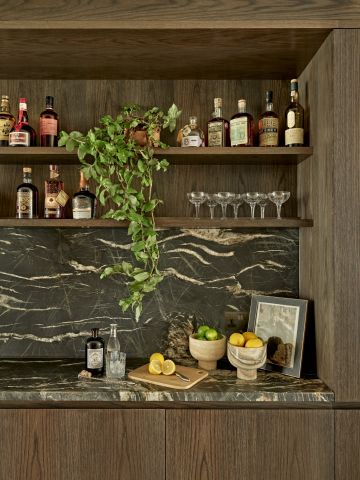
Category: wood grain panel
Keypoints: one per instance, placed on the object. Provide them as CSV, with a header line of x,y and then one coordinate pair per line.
x,y
347,440
82,444
213,444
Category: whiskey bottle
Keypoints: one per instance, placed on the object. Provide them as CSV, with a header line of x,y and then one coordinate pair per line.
x,y
269,124
27,197
84,202
218,128
191,135
49,125
7,121
294,119
94,353
22,134
242,127
55,197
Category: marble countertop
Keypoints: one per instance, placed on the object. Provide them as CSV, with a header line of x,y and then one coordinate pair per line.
x,y
56,380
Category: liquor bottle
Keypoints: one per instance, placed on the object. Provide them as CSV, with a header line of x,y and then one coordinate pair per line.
x,y
191,135
55,197
27,196
49,125
218,128
269,124
94,353
22,134
294,119
242,127
84,202
7,121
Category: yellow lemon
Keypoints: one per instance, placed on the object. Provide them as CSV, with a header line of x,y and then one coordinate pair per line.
x,y
237,339
249,336
155,367
168,367
254,343
157,356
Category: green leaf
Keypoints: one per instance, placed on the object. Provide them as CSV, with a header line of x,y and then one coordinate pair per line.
x,y
140,277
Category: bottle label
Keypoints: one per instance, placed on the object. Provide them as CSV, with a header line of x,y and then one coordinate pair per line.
x,y
24,204
291,119
269,132
62,198
216,137
19,139
5,127
192,141
239,131
294,135
95,358
50,201
81,213
48,126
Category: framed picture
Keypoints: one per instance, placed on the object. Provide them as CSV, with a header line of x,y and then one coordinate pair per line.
x,y
281,323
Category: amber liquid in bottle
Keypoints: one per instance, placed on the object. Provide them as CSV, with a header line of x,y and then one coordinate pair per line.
x,y
49,125
27,197
242,127
269,124
218,128
55,197
7,121
294,119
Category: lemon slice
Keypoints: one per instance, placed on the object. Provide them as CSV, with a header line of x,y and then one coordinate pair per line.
x,y
168,367
157,356
155,367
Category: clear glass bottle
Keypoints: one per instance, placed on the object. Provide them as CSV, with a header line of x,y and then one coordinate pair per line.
x,y
22,134
113,344
55,197
7,121
191,135
218,128
269,124
294,119
242,127
49,125
84,202
27,196
94,353
115,360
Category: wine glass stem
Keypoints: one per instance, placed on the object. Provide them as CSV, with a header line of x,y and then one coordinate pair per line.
x,y
197,210
236,208
278,209
262,211
223,206
252,206
212,212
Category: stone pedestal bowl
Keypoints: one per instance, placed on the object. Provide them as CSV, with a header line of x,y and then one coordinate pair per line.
x,y
207,352
246,360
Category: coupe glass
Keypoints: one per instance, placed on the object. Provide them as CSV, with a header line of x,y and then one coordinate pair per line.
x,y
224,198
262,202
279,197
238,200
197,198
211,202
252,198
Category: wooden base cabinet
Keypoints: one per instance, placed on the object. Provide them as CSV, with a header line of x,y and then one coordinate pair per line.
x,y
249,444
347,441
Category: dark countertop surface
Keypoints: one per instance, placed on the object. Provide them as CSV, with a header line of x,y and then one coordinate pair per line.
x,y
56,380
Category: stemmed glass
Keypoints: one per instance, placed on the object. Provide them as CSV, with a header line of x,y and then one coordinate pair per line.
x,y
211,202
279,197
252,199
262,202
236,202
224,198
197,198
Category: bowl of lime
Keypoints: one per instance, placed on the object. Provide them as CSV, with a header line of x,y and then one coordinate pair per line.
x,y
207,346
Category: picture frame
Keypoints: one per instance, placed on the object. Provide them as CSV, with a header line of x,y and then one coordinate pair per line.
x,y
281,323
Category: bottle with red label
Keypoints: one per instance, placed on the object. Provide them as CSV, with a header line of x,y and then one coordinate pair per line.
x,y
22,134
49,125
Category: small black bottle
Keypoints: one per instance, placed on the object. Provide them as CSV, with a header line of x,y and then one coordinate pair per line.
x,y
95,353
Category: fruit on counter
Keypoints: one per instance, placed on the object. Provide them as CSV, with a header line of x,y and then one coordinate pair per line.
x,y
249,336
237,339
254,343
168,367
202,329
204,332
155,367
157,356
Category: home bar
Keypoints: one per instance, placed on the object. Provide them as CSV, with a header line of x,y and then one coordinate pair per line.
x,y
179,240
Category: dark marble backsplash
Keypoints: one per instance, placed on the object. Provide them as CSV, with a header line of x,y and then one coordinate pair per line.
x,y
51,293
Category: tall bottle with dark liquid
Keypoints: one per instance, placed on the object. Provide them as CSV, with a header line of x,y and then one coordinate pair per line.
x,y
55,197
242,127
27,196
22,134
294,119
218,128
95,353
84,202
7,121
269,124
49,125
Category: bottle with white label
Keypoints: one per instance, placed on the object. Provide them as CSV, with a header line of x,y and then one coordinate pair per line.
x,y
242,127
22,134
191,135
218,127
84,202
269,124
94,353
294,119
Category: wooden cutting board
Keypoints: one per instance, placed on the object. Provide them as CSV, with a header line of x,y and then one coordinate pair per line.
x,y
170,381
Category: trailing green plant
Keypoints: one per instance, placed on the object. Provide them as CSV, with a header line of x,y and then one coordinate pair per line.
x,y
123,171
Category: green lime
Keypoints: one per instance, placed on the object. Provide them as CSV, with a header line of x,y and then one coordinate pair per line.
x,y
202,329
199,337
211,334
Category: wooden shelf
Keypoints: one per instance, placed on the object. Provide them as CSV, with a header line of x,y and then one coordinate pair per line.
x,y
175,155
161,222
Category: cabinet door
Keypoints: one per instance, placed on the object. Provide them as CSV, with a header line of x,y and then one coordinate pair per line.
x,y
347,441
82,444
249,444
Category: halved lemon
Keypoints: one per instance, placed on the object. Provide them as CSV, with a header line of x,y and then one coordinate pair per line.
x,y
155,367
157,356
168,367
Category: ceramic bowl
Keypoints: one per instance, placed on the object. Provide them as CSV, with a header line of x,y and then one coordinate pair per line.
x,y
207,352
246,360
